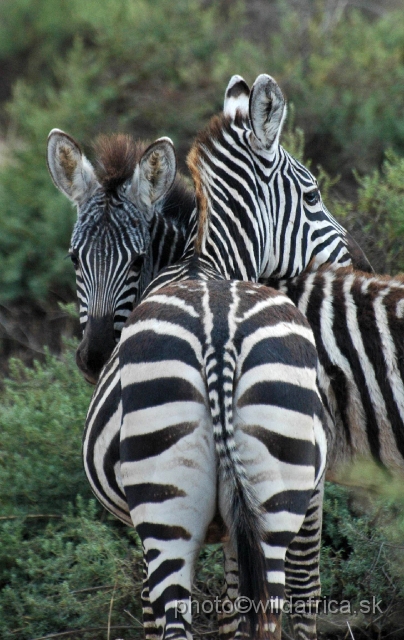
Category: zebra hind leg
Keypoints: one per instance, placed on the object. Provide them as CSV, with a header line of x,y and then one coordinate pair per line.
x,y
230,620
149,624
302,570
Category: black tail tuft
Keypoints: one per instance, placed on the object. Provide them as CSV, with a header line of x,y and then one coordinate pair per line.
x,y
247,535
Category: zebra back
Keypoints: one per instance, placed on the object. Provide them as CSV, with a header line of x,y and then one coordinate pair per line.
x,y
190,352
358,324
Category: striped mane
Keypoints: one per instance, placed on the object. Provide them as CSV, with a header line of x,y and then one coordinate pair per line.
x,y
201,153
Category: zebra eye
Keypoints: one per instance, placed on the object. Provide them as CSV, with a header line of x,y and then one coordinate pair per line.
x,y
312,197
74,260
137,263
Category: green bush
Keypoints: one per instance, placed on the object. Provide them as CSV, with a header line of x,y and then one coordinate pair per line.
x,y
148,68
362,555
74,573
42,416
67,564
344,72
380,209
61,567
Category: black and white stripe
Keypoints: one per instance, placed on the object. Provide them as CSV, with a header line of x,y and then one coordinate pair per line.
x,y
280,188
358,323
130,225
276,222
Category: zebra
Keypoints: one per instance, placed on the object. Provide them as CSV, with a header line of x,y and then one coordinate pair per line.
x,y
287,225
108,411
123,235
358,324
210,373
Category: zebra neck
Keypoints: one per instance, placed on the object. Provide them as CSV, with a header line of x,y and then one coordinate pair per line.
x,y
226,255
170,240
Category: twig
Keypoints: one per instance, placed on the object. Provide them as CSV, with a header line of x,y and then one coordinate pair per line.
x,y
110,613
350,630
391,632
39,515
133,617
378,556
362,537
27,345
73,632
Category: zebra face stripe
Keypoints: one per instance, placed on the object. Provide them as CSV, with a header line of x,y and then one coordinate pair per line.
x,y
109,242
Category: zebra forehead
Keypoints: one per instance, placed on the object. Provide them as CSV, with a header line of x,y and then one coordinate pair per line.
x,y
111,217
116,159
107,212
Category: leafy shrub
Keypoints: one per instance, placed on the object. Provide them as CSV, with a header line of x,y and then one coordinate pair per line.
x,y
42,415
380,210
160,68
148,68
75,573
343,70
65,563
362,553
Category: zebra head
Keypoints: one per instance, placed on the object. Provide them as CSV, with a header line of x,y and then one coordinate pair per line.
x,y
111,237
271,202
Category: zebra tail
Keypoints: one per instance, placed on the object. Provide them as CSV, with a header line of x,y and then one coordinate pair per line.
x,y
246,530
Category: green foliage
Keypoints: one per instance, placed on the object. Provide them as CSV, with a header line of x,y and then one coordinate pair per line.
x,y
64,562
60,566
381,210
344,72
362,553
75,573
129,66
42,415
160,68
293,137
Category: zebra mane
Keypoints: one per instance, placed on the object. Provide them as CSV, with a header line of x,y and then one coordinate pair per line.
x,y
116,159
202,148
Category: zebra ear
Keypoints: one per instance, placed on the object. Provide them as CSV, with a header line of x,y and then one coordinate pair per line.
x,y
70,170
267,110
236,97
153,176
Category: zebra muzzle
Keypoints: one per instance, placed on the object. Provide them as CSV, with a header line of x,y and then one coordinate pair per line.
x,y
96,347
